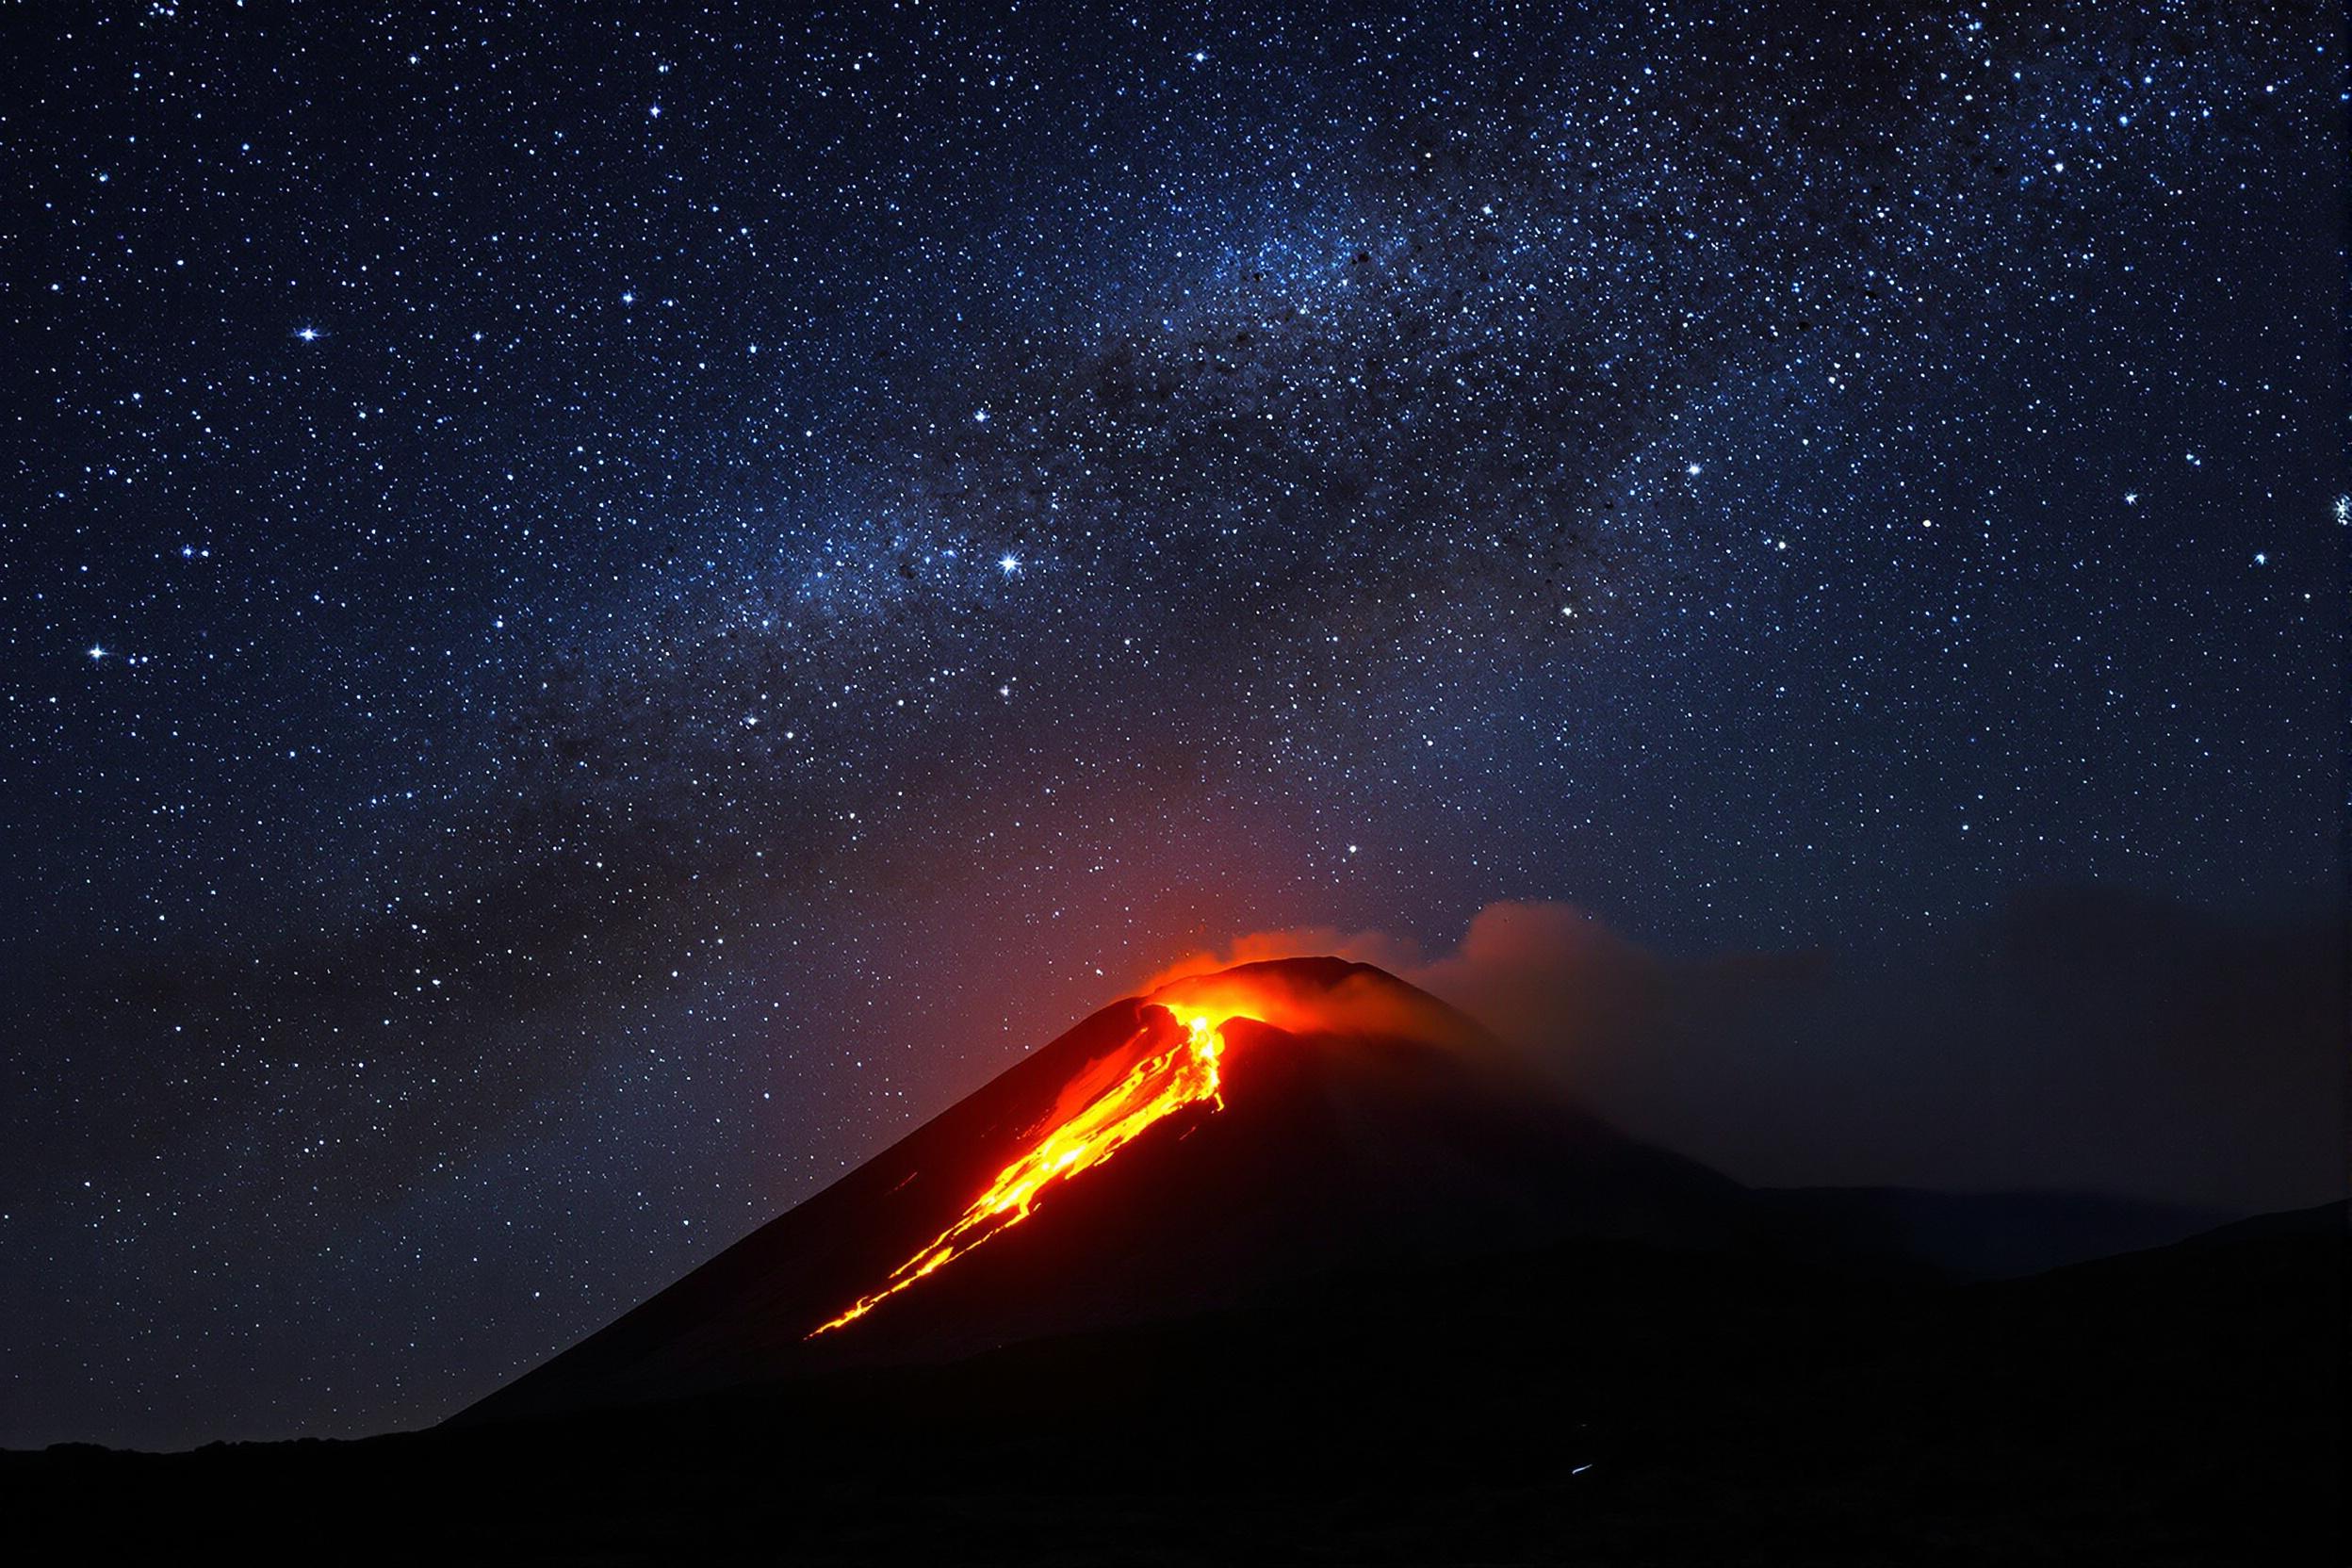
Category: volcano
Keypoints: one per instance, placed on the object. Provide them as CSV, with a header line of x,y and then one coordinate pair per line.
x,y
1174,1153
1291,1263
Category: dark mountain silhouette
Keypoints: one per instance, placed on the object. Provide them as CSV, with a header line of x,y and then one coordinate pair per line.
x,y
1993,1235
1362,1124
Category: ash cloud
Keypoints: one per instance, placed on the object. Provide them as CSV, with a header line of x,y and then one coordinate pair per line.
x,y
2082,1039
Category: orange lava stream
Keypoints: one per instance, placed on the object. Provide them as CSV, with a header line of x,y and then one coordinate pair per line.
x,y
1184,1074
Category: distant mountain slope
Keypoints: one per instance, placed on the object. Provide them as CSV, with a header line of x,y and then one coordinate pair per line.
x,y
1984,1235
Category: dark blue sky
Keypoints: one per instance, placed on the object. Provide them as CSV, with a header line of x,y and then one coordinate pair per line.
x,y
601,610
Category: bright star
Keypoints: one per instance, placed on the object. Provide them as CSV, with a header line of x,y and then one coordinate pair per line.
x,y
308,334
1008,564
96,652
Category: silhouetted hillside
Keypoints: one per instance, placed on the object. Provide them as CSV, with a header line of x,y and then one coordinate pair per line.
x,y
1595,1401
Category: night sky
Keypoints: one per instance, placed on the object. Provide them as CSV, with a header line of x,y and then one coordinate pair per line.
x,y
602,608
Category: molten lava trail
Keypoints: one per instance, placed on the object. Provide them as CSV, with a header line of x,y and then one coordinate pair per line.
x,y
1163,1083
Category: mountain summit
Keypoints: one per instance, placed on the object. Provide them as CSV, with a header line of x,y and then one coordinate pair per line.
x,y
1175,1151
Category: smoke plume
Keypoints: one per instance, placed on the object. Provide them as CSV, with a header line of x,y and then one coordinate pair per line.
x,y
2079,1038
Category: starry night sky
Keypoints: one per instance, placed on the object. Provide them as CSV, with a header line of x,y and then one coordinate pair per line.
x,y
603,608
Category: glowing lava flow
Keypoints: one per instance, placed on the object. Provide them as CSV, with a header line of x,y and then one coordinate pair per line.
x,y
1184,1074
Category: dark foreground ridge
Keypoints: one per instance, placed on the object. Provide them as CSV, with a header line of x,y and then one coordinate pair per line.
x,y
1602,1403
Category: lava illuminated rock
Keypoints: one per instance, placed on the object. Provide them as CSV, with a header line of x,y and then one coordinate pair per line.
x,y
1169,1153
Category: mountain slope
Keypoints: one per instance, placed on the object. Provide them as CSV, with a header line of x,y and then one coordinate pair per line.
x,y
1358,1123
1989,1235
